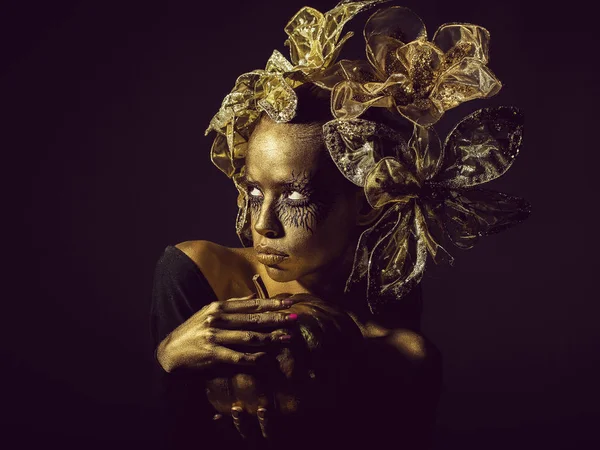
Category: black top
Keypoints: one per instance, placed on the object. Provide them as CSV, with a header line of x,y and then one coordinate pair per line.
x,y
180,290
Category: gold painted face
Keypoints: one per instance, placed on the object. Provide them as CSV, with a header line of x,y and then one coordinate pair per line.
x,y
303,211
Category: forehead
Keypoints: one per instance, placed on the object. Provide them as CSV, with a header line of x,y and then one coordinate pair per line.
x,y
277,150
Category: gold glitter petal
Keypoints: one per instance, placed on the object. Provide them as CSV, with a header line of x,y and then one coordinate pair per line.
x,y
278,63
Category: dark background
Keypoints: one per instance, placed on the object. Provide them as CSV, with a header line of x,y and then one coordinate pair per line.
x,y
104,163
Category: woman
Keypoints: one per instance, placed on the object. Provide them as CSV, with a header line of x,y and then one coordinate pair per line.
x,y
305,330
305,221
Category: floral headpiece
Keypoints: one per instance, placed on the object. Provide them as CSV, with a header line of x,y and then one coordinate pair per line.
x,y
429,191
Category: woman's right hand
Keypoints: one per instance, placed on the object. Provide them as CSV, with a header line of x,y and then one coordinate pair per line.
x,y
215,334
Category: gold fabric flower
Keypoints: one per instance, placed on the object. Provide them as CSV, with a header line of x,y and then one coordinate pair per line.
x,y
314,41
430,193
314,37
419,79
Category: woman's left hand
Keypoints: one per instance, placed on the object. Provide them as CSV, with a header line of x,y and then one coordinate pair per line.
x,y
296,377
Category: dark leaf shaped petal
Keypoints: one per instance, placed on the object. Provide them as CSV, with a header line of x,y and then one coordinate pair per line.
x,y
481,147
356,145
471,213
427,149
433,233
367,242
397,262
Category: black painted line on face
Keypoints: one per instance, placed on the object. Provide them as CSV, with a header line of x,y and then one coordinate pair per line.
x,y
302,213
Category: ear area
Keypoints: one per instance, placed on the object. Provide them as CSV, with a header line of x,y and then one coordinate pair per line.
x,y
366,214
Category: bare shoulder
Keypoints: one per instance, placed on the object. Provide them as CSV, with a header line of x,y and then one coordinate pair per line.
x,y
414,346
228,270
204,253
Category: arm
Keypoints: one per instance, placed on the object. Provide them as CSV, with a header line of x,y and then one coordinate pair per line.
x,y
178,292
196,338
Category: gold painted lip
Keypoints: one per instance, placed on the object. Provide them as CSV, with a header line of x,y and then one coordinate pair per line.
x,y
270,259
265,250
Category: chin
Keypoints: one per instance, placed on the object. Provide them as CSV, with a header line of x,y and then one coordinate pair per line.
x,y
281,275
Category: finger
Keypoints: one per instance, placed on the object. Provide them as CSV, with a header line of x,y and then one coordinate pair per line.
x,y
263,421
256,305
254,321
214,309
236,415
252,393
249,338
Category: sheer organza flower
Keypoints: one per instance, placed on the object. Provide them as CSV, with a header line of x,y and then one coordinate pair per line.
x,y
314,37
406,72
429,193
314,41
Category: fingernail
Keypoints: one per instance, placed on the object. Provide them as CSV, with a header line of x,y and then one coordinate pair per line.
x,y
236,411
287,302
292,317
217,417
285,338
262,421
261,413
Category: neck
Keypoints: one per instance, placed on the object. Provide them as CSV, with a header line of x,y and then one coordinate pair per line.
x,y
327,284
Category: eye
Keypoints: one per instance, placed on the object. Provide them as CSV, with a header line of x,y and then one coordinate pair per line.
x,y
295,195
255,192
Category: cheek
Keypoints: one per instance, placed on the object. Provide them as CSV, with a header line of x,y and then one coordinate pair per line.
x,y
327,235
304,219
316,231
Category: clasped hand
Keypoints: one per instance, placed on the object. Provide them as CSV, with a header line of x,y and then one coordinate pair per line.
x,y
253,354
231,336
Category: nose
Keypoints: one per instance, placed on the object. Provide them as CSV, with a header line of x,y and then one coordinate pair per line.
x,y
267,222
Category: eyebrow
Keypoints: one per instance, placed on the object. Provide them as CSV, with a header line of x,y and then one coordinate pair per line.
x,y
295,181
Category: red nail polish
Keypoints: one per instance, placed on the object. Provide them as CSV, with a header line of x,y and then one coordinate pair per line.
x,y
285,338
287,302
292,317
